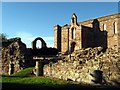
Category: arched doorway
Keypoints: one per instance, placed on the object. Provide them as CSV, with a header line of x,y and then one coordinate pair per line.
x,y
72,48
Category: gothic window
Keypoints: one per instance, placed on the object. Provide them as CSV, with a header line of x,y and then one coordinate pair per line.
x,y
115,27
73,33
104,29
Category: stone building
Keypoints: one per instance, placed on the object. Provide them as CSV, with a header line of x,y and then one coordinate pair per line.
x,y
102,31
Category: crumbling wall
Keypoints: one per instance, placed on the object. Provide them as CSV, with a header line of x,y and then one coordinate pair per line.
x,y
81,65
15,56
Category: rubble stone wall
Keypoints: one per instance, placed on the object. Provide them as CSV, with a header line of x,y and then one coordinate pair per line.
x,y
81,64
15,56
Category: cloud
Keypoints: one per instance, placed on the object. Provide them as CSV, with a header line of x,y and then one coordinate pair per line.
x,y
27,38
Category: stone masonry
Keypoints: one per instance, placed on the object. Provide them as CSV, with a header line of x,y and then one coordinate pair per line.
x,y
102,31
81,64
15,56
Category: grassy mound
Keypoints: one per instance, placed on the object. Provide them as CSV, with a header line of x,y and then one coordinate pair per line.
x,y
24,73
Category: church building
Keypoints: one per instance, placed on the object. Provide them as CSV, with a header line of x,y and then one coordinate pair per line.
x,y
102,31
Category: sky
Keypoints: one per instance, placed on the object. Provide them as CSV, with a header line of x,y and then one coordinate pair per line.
x,y
29,20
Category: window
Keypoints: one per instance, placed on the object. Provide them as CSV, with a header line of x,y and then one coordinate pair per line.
x,y
104,29
115,27
73,33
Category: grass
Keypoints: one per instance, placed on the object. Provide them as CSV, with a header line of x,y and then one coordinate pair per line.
x,y
24,80
32,82
24,73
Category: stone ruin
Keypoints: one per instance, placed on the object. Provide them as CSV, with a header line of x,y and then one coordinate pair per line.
x,y
40,55
88,66
15,56
44,51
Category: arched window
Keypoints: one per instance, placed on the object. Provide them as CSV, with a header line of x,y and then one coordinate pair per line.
x,y
115,27
104,29
73,33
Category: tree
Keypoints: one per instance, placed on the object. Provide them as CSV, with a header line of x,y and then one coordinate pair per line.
x,y
3,37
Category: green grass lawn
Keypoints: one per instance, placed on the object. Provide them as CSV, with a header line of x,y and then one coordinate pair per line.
x,y
32,82
24,80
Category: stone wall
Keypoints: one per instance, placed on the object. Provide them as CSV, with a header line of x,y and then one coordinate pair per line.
x,y
57,37
81,64
106,25
15,56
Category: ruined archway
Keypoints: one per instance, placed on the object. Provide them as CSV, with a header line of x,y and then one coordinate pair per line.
x,y
43,44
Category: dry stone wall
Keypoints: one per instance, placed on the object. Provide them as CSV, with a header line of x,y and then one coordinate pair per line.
x,y
81,65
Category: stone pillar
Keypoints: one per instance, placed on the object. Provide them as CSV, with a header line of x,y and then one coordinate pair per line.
x,y
39,68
